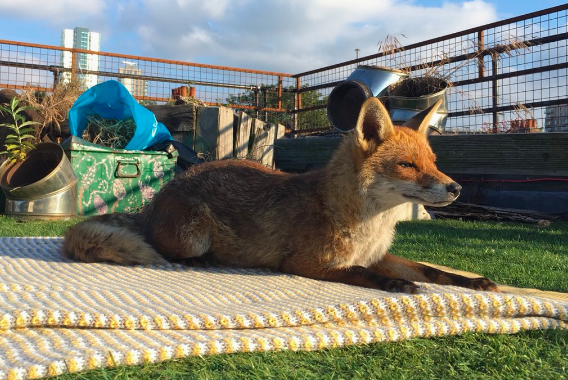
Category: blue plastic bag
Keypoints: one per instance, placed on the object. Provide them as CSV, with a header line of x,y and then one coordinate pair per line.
x,y
111,100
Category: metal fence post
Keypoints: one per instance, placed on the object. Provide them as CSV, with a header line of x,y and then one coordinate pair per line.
x,y
265,102
480,58
279,100
494,92
298,102
73,64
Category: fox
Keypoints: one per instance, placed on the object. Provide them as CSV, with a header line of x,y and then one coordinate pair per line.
x,y
333,224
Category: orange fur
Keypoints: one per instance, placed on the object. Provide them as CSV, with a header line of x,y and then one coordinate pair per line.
x,y
334,224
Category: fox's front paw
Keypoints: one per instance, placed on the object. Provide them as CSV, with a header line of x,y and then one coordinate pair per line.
x,y
482,283
401,286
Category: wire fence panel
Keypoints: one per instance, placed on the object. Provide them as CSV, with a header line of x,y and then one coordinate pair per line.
x,y
503,75
27,64
267,95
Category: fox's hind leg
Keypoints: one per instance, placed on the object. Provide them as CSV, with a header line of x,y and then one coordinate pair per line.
x,y
398,267
180,231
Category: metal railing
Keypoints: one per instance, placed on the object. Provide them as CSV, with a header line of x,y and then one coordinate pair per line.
x,y
501,73
26,66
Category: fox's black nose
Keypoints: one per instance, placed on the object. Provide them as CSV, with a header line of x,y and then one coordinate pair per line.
x,y
454,188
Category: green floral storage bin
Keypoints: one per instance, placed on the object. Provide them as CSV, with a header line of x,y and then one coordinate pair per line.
x,y
115,180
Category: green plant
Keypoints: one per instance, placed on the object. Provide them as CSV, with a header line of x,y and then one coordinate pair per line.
x,y
20,141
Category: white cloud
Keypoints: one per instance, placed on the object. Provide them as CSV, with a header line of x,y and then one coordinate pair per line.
x,y
288,36
277,35
196,36
54,11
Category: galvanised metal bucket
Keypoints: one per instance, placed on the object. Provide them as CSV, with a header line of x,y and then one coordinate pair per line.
x,y
346,99
403,108
43,186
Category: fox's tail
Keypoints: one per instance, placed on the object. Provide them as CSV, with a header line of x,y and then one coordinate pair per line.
x,y
114,237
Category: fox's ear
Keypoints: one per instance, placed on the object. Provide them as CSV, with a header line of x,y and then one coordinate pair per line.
x,y
374,125
421,121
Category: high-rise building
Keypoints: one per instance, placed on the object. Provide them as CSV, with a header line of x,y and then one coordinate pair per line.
x,y
81,38
137,87
556,118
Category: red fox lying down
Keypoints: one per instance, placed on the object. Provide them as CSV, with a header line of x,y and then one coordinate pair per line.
x,y
333,224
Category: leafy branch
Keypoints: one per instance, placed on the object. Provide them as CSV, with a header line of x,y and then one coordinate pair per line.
x,y
20,141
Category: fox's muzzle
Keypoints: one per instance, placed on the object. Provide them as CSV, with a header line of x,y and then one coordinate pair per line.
x,y
454,188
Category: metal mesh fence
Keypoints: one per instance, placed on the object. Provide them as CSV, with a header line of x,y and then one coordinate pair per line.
x,y
266,95
24,65
503,75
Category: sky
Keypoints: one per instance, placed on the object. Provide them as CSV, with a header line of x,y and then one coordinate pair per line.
x,y
289,36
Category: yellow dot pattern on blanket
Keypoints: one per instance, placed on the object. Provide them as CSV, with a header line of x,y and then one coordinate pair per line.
x,y
58,316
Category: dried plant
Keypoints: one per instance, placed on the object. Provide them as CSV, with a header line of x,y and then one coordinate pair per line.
x,y
418,86
470,53
390,46
437,71
429,82
509,47
112,133
53,107
522,111
439,64
191,100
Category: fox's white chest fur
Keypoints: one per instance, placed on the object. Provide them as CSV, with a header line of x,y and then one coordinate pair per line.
x,y
372,238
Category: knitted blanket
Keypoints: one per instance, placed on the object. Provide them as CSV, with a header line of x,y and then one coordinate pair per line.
x,y
61,316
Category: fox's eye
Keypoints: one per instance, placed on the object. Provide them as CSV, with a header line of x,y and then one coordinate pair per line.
x,y
406,164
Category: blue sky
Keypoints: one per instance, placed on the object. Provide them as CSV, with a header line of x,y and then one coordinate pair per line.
x,y
277,35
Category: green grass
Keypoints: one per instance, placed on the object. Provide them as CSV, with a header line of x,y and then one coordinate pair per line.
x,y
11,227
513,254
